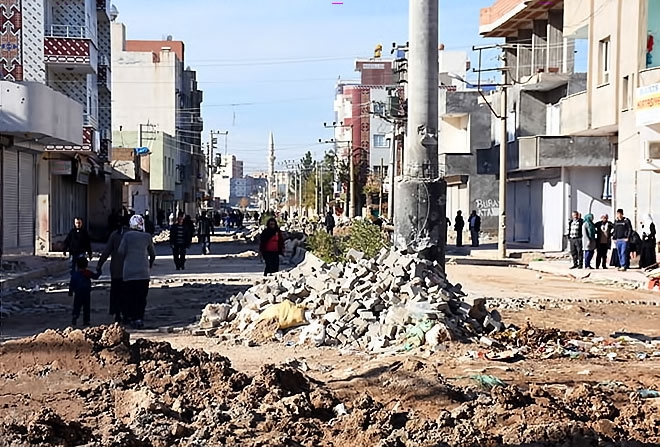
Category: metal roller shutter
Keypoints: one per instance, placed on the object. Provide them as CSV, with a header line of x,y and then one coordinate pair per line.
x,y
26,202
10,201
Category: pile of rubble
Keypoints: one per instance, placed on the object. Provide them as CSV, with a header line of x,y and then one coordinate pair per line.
x,y
393,300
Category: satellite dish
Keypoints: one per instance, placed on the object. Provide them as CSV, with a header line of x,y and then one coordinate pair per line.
x,y
114,12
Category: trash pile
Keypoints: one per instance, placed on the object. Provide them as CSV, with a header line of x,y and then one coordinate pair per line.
x,y
394,300
96,388
530,341
163,236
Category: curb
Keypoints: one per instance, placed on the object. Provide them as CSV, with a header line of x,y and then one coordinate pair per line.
x,y
612,281
486,262
20,279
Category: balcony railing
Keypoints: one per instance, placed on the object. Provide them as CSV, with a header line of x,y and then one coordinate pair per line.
x,y
90,121
68,31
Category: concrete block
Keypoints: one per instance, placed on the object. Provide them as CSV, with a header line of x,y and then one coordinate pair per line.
x,y
366,315
331,317
335,272
354,255
353,307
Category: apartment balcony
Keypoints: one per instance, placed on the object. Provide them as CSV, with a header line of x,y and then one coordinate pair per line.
x,y
556,151
104,76
70,49
31,110
103,9
573,111
505,17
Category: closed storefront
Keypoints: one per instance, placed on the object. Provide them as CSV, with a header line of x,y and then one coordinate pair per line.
x,y
68,200
19,201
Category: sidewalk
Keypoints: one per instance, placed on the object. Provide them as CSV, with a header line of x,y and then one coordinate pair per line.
x,y
554,263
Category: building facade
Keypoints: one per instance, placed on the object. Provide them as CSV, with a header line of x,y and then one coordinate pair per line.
x,y
157,108
552,166
620,99
55,120
364,131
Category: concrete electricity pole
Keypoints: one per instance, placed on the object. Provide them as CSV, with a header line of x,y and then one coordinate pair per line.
x,y
419,217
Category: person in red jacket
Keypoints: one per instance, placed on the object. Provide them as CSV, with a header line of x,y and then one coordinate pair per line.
x,y
271,246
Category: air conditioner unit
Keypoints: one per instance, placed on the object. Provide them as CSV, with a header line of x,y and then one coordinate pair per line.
x,y
653,150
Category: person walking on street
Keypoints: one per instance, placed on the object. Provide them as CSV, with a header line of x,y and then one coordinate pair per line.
x,y
271,246
575,240
604,230
137,250
149,226
204,232
179,241
588,239
330,222
647,256
77,243
116,269
621,234
81,290
459,225
474,223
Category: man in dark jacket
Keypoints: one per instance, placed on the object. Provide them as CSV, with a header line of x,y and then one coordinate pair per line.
x,y
111,251
77,243
474,222
621,234
459,224
575,240
329,222
604,229
204,232
180,237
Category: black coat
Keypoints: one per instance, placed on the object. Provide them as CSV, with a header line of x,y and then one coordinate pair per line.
x,y
78,242
475,224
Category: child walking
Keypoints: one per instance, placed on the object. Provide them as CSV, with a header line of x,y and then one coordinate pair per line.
x,y
81,289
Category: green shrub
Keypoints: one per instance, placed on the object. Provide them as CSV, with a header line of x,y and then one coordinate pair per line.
x,y
366,237
326,246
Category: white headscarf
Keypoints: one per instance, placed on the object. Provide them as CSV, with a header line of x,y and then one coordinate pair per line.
x,y
137,223
647,220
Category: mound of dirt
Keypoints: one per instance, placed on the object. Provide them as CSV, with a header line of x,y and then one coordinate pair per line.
x,y
95,388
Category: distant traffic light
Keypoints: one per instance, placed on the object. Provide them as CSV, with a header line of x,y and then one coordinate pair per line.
x,y
378,51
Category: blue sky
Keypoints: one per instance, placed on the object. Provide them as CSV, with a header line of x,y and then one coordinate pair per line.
x,y
272,65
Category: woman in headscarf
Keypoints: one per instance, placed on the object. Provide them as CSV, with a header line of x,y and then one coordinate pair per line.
x,y
588,239
137,250
116,268
271,246
647,251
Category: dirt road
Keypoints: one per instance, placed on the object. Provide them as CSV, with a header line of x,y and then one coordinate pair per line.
x,y
72,388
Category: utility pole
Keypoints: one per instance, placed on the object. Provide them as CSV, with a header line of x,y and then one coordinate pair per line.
x,y
504,139
380,194
419,218
351,183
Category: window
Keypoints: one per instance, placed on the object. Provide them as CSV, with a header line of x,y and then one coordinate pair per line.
x,y
604,61
625,93
380,141
379,108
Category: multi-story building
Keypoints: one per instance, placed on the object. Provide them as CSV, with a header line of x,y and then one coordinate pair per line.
x,y
553,165
157,108
621,97
225,185
54,120
360,110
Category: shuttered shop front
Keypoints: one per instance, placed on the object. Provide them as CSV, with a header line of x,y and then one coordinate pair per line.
x,y
19,201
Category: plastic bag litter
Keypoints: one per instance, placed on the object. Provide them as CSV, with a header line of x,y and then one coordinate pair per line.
x,y
287,314
488,382
416,335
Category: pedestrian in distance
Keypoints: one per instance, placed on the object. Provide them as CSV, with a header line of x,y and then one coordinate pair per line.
x,y
459,225
647,244
588,239
604,230
77,243
81,290
575,240
204,231
621,235
137,250
179,241
474,223
116,269
330,222
149,226
271,246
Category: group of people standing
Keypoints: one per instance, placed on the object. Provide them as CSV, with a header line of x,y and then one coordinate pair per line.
x,y
586,238
474,225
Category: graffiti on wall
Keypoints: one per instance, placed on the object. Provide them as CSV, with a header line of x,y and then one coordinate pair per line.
x,y
487,207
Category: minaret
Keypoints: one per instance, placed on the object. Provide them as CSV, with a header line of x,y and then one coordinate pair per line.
x,y
272,187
